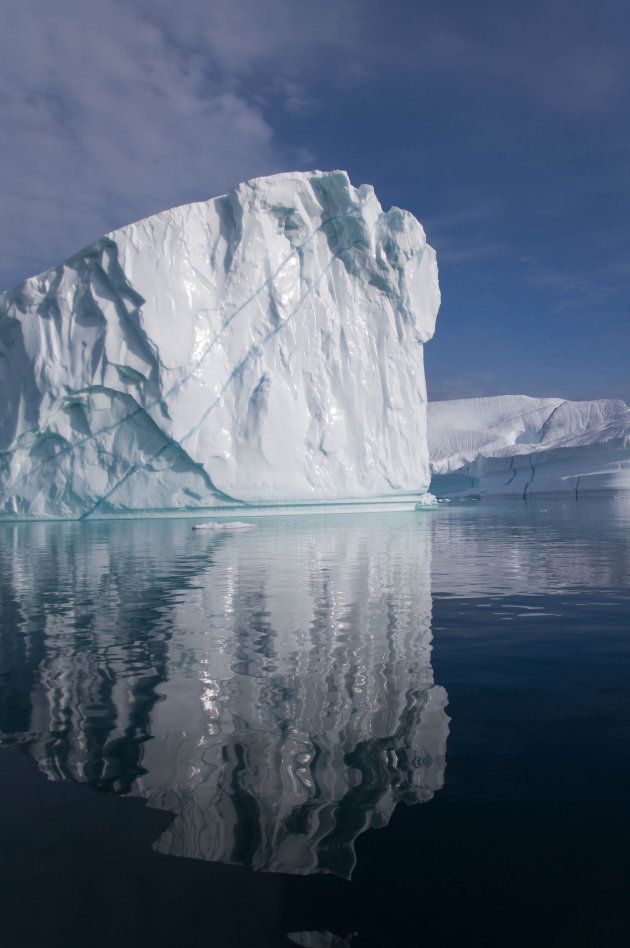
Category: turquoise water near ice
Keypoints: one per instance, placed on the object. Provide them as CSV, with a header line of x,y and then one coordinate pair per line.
x,y
384,728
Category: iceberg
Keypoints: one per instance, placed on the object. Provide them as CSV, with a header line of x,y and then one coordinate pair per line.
x,y
264,347
517,445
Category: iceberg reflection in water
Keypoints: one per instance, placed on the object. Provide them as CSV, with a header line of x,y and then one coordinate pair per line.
x,y
274,690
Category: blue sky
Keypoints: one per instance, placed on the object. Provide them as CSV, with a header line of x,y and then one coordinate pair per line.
x,y
504,127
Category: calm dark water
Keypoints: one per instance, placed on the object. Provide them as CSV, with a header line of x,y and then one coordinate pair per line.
x,y
384,729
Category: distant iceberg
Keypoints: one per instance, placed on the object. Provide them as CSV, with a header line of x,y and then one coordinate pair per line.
x,y
516,445
264,347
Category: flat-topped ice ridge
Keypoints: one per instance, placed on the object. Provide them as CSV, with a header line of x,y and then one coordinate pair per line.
x,y
263,347
514,444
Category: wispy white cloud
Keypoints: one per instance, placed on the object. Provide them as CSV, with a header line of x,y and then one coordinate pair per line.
x,y
562,56
111,111
114,109
473,384
568,56
454,254
575,289
461,236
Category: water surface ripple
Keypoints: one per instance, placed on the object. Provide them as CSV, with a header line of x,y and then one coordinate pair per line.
x,y
273,689
275,695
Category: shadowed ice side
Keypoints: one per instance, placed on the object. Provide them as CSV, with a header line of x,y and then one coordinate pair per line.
x,y
272,689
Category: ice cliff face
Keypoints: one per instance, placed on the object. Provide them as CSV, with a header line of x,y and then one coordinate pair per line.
x,y
261,347
513,444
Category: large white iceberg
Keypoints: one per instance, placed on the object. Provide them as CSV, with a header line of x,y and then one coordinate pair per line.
x,y
264,347
514,444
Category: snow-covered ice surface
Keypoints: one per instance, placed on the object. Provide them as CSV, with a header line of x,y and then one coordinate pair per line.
x,y
264,347
514,444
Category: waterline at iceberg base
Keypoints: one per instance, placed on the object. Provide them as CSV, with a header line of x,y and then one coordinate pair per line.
x,y
262,348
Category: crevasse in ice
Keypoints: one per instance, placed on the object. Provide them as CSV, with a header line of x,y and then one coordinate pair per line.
x,y
514,444
263,347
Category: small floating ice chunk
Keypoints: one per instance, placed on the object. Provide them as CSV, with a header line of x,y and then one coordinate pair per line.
x,y
232,526
319,939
